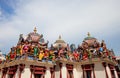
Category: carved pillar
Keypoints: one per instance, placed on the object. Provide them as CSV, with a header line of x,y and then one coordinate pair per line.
x,y
75,72
104,65
116,75
92,65
109,70
47,73
69,70
64,70
60,65
112,71
4,72
83,71
21,68
52,71
31,70
15,71
0,73
40,70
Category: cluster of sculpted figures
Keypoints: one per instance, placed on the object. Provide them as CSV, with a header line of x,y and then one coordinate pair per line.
x,y
35,48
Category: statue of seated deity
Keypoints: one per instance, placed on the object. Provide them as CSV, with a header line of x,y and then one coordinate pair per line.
x,y
26,47
41,55
76,55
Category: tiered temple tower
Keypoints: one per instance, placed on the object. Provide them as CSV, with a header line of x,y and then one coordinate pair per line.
x,y
32,58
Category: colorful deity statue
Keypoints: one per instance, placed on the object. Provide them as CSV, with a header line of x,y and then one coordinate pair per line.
x,y
13,49
7,57
107,53
101,49
12,53
89,53
81,55
85,55
36,50
76,55
60,53
51,55
103,45
31,50
21,39
95,44
41,55
46,54
18,50
70,56
25,47
66,54
12,56
84,45
72,47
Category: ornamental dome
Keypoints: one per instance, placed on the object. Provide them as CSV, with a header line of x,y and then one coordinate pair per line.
x,y
89,37
90,41
34,36
60,43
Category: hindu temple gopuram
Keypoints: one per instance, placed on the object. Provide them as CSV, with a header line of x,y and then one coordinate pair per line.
x,y
32,58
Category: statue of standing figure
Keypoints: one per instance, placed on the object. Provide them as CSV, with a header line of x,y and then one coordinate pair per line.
x,y
21,39
36,50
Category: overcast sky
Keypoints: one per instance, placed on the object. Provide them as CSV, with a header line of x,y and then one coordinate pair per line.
x,y
71,19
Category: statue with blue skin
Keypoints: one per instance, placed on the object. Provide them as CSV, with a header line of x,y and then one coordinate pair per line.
x,y
72,47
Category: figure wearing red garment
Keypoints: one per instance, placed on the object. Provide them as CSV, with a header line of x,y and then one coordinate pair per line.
x,y
12,53
76,55
85,55
25,47
60,53
46,54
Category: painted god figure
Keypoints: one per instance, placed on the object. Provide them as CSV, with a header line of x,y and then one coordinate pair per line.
x,y
76,55
46,54
18,50
26,47
36,50
41,55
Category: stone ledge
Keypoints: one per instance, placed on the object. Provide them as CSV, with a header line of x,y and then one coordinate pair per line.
x,y
26,62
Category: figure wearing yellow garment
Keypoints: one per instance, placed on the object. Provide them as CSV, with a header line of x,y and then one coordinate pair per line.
x,y
21,49
41,55
51,55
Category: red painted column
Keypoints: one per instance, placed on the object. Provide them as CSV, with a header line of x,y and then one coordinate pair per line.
x,y
83,71
92,65
60,70
52,71
21,68
67,71
31,69
4,72
104,65
16,68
